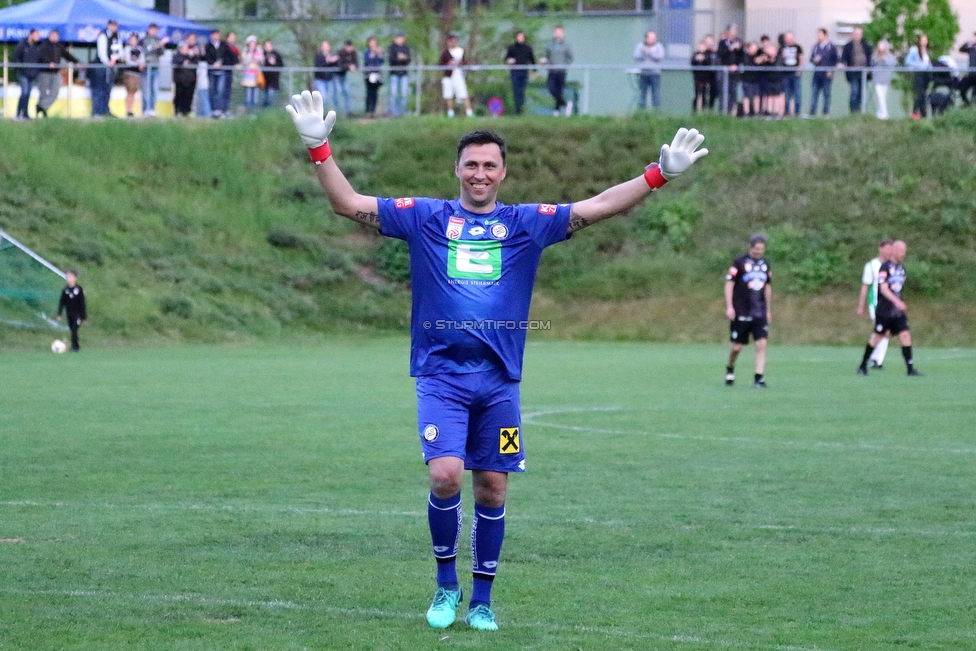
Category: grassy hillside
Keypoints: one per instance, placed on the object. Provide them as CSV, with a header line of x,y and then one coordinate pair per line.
x,y
212,231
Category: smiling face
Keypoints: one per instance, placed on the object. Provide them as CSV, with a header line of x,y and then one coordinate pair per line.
x,y
481,171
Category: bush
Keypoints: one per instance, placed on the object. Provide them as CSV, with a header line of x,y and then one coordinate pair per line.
x,y
393,260
177,306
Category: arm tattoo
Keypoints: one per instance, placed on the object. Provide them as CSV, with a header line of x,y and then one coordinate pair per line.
x,y
367,218
577,223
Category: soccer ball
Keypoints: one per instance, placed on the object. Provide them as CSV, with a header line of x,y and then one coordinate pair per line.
x,y
58,346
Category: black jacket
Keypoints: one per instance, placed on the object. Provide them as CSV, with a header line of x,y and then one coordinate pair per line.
x,y
52,52
847,58
399,56
731,53
185,69
73,303
27,52
522,53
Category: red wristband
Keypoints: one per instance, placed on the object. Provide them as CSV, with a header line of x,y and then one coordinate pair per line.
x,y
653,176
320,153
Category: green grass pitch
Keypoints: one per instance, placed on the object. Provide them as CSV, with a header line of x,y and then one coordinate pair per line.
x,y
274,498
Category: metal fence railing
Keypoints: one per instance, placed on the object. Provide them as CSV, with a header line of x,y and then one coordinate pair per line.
x,y
591,89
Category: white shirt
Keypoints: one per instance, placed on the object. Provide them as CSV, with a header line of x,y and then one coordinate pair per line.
x,y
870,277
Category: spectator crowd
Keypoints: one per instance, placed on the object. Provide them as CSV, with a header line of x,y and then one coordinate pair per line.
x,y
746,79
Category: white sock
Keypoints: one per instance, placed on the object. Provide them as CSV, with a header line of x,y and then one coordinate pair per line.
x,y
879,351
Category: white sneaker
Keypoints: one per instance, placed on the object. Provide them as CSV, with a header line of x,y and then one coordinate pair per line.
x,y
450,114
469,113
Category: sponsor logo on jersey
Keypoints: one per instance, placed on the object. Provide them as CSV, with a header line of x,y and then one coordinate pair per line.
x,y
430,433
499,231
476,231
403,203
479,259
547,208
454,227
508,441
747,266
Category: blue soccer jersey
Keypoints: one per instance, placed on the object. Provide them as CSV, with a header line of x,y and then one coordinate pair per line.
x,y
472,278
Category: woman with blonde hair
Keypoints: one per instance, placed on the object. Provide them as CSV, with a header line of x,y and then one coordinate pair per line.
x,y
884,62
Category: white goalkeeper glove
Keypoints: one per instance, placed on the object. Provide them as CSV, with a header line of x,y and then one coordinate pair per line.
x,y
681,153
306,113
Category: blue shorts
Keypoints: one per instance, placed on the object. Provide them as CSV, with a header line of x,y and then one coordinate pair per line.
x,y
471,416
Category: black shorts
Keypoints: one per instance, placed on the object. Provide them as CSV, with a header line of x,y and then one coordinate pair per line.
x,y
740,329
893,323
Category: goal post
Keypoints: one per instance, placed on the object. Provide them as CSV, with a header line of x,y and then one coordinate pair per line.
x,y
30,287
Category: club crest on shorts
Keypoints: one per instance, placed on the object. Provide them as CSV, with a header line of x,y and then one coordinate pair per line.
x,y
508,441
430,433
454,227
499,231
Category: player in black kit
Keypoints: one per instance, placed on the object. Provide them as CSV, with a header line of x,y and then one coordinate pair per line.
x,y
748,295
72,303
892,317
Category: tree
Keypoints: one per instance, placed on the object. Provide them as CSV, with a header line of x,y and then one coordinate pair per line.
x,y
302,18
485,27
901,21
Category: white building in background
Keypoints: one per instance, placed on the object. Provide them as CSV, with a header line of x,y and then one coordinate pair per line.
x,y
757,17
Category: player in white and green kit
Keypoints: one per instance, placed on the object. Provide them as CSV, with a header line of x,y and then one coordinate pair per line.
x,y
869,296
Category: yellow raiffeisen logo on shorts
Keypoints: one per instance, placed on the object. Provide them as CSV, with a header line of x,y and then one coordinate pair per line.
x,y
508,441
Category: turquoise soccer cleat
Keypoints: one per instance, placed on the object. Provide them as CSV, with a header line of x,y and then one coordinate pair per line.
x,y
441,612
481,618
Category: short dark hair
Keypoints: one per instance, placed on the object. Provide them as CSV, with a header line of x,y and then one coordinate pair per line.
x,y
151,25
73,272
481,138
885,241
756,238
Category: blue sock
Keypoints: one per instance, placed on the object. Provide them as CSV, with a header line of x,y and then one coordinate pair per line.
x,y
444,518
487,534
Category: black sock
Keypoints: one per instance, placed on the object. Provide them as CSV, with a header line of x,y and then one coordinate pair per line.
x,y
867,355
730,369
906,352
759,376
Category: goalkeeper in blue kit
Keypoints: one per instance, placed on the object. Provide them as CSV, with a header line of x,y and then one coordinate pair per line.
x,y
473,262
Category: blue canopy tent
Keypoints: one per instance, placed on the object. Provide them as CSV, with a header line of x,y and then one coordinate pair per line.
x,y
80,21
